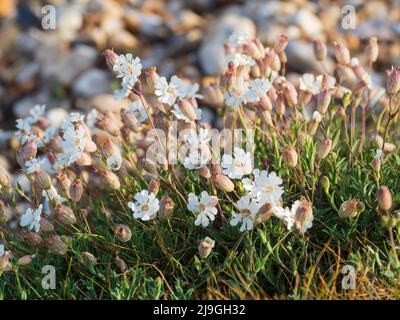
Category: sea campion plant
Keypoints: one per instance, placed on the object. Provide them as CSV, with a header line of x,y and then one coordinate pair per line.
x,y
121,216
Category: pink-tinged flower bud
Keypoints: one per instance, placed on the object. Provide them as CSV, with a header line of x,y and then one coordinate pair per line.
x,y
216,169
65,215
265,117
110,180
228,80
393,81
289,156
26,152
148,165
376,141
251,49
5,180
303,216
4,260
323,101
56,245
63,183
269,58
351,208
43,179
223,183
46,225
281,43
276,63
25,260
213,96
154,186
122,232
384,197
265,212
152,77
107,122
320,50
280,106
389,147
187,109
324,148
76,190
282,57
33,238
342,53
88,259
205,247
121,264
290,94
372,49
129,120
166,208
90,146
376,164
205,172
305,97
111,58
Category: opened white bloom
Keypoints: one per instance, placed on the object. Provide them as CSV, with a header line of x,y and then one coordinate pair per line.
x,y
237,38
284,214
33,166
31,219
309,84
266,187
199,153
137,109
1,250
258,89
51,196
73,144
190,91
378,153
114,163
239,59
169,92
35,113
238,96
204,208
181,116
128,68
121,93
237,166
91,118
145,207
317,116
74,119
24,133
201,138
197,159
291,217
247,209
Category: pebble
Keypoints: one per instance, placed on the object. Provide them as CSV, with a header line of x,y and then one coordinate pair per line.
x,y
91,83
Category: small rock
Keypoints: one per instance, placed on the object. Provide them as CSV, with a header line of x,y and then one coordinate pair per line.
x,y
27,73
308,22
56,116
105,102
91,83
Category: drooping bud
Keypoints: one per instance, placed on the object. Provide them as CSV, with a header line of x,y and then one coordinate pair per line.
x,y
122,232
223,183
88,259
324,148
342,53
289,156
154,186
65,215
110,180
303,217
204,172
26,153
121,264
351,208
187,109
166,207
33,238
56,245
372,50
393,81
43,179
205,247
384,197
251,49
111,58
76,190
324,98
152,77
25,260
320,50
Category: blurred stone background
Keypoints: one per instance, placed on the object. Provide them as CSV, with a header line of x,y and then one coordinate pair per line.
x,y
64,68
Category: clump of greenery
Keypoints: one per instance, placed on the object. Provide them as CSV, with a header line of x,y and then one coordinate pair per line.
x,y
119,220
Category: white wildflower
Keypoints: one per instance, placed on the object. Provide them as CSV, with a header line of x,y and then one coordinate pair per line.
x,y
33,166
237,38
237,166
114,163
181,116
258,89
35,113
31,218
378,154
24,133
266,187
247,211
204,208
239,59
1,249
169,92
308,83
145,207
91,118
317,116
238,96
128,68
137,109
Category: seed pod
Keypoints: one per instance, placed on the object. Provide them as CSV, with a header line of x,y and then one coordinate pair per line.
x,y
372,49
393,81
46,225
303,216
42,178
88,259
223,183
166,207
110,180
351,208
376,164
25,260
320,50
384,197
154,186
289,156
187,109
342,53
152,77
205,172
33,238
122,232
205,247
76,190
65,215
57,245
324,148
26,152
121,264
323,101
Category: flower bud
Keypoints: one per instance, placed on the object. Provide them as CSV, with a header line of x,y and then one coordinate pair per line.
x,y
63,183
289,156
107,122
324,98
393,81
324,148
154,186
84,159
384,198
110,180
43,179
213,96
121,264
372,49
265,117
88,259
111,58
46,225
148,165
33,238
223,183
57,245
290,94
65,215
281,43
389,147
25,260
376,141
166,207
76,190
320,50
251,49
303,216
204,172
187,109
265,212
122,232
342,53
376,164
351,208
129,120
152,77
205,247
280,107
5,181
4,260
26,152
325,184
215,169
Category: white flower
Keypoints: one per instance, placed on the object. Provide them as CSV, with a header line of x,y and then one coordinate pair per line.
x,y
31,218
247,211
199,151
198,139
33,166
317,116
189,91
266,187
121,93
238,95
91,118
24,133
73,119
204,208
137,109
1,250
237,166
197,159
74,138
309,84
35,113
169,92
51,195
378,153
114,163
258,89
285,214
354,62
288,216
145,207
237,38
128,68
181,116
239,59
49,134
